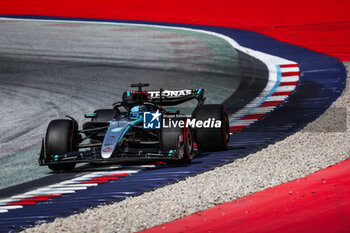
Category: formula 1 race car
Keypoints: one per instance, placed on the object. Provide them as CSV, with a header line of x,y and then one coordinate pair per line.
x,y
138,129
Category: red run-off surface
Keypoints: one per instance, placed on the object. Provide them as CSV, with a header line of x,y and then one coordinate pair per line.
x,y
320,25
317,203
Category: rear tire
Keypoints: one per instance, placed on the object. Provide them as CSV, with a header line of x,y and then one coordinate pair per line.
x,y
60,140
212,139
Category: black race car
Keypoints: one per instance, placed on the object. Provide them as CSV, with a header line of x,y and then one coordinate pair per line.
x,y
139,128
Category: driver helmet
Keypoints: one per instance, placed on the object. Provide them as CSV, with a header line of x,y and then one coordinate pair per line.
x,y
137,111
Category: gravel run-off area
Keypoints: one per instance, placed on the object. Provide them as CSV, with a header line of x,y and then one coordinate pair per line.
x,y
320,144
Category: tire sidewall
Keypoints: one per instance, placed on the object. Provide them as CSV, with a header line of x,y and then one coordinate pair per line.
x,y
212,139
59,139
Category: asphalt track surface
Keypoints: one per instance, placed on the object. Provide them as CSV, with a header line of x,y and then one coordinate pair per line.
x,y
48,70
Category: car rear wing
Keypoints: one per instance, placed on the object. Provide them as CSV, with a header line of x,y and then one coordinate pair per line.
x,y
169,97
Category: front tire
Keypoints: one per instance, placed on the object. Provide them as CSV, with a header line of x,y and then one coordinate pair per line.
x,y
179,139
60,140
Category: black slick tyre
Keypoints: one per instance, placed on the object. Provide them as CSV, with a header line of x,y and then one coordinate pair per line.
x,y
179,139
59,140
212,139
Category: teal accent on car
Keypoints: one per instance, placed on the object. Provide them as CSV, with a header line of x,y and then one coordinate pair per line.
x,y
140,120
116,129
